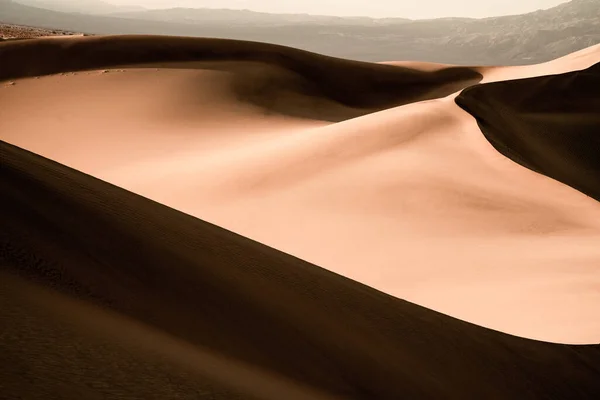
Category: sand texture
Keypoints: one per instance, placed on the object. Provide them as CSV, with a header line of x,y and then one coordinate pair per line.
x,y
212,219
143,286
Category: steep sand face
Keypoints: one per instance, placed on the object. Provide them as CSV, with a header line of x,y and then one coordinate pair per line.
x,y
411,200
548,124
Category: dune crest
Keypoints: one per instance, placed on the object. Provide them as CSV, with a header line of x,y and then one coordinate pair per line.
x,y
548,124
351,83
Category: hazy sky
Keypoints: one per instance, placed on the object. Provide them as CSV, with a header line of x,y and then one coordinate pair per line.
x,y
374,8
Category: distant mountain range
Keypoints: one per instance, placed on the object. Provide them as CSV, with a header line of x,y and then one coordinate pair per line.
x,y
80,6
246,17
520,39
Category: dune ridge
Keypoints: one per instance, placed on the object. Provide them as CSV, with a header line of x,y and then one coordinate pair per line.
x,y
549,124
213,289
380,86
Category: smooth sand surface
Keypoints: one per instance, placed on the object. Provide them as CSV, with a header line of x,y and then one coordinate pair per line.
x,y
578,60
106,294
549,124
283,147
354,84
571,62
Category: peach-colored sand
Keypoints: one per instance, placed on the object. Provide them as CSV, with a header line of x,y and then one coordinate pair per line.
x,y
411,200
108,295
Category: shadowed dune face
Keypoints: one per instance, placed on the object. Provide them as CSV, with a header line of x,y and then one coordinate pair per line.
x,y
415,193
351,83
548,124
143,286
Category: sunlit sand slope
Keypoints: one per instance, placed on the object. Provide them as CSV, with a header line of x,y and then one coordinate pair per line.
x,y
106,294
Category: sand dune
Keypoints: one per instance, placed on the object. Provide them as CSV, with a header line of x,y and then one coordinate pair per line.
x,y
578,60
449,223
400,187
352,83
549,124
148,302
